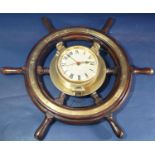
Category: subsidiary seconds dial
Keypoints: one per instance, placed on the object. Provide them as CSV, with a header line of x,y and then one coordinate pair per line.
x,y
78,64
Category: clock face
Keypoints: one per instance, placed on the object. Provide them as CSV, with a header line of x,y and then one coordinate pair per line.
x,y
78,64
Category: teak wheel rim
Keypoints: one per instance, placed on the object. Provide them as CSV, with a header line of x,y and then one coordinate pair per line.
x,y
70,114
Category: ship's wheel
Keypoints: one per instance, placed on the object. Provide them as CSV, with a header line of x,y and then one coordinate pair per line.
x,y
80,71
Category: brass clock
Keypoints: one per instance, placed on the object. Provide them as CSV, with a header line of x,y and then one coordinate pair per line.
x,y
79,71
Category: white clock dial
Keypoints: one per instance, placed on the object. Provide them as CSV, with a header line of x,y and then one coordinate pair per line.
x,y
78,63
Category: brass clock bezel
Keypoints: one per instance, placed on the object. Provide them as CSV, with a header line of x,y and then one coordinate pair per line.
x,y
63,52
77,88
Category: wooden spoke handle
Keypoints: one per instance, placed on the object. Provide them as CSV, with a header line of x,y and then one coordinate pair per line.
x,y
146,70
115,127
21,70
48,24
12,70
108,25
43,128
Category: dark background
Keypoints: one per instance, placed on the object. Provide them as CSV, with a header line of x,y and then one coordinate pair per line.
x,y
19,118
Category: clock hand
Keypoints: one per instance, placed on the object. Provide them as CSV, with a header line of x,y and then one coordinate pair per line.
x,y
78,62
73,59
86,62
71,64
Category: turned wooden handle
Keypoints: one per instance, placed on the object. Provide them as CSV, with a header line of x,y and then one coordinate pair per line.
x,y
108,25
115,127
48,24
146,70
43,128
12,70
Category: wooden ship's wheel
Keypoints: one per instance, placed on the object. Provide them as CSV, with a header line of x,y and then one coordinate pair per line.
x,y
77,71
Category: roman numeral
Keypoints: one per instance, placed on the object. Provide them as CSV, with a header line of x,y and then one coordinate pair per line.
x,y
92,63
63,64
71,76
86,75
91,70
79,77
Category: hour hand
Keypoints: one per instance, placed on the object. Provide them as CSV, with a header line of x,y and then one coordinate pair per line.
x,y
87,62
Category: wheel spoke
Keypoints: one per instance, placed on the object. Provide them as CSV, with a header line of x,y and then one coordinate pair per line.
x,y
112,70
42,71
114,125
107,25
44,126
48,24
12,70
96,97
146,70
61,98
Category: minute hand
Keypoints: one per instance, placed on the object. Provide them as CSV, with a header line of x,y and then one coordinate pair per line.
x,y
72,58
